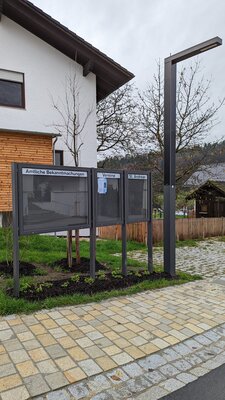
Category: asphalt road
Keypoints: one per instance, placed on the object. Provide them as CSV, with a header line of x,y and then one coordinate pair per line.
x,y
209,387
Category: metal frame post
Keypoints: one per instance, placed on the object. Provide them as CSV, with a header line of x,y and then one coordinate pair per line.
x,y
124,226
169,166
92,251
149,226
93,225
16,267
124,249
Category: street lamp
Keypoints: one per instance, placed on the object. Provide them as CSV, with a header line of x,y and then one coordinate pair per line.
x,y
170,147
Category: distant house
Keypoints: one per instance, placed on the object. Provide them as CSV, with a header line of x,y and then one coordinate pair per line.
x,y
37,53
209,199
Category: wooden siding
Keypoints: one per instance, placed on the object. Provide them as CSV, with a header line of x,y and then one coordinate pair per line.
x,y
19,147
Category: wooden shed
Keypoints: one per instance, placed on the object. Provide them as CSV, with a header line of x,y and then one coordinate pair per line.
x,y
209,199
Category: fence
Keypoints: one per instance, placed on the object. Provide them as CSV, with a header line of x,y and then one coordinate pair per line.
x,y
186,228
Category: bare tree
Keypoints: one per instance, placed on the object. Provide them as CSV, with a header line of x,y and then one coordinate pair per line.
x,y
196,116
117,122
70,126
73,130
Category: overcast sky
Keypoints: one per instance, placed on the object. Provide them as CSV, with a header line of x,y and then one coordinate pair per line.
x,y
136,33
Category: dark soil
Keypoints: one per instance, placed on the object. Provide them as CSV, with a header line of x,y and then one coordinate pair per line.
x,y
25,269
69,287
84,266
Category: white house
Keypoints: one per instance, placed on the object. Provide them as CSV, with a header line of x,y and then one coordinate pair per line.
x,y
37,54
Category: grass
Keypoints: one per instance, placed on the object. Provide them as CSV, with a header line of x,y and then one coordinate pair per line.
x,y
10,305
221,239
42,250
183,243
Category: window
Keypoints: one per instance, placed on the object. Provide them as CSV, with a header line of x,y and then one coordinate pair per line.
x,y
12,89
59,157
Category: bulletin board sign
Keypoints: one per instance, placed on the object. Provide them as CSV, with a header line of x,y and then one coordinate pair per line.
x,y
52,199
108,197
137,196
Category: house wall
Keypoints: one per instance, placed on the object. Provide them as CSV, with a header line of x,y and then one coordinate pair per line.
x,y
210,207
18,147
45,70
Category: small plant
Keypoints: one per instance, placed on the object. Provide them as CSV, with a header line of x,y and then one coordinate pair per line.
x,y
75,278
42,286
24,286
138,274
117,274
65,284
101,275
89,280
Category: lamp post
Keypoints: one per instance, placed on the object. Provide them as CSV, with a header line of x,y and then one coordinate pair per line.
x,y
170,147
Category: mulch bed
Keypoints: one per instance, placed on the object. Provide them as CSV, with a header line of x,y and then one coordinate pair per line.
x,y
26,269
84,266
69,287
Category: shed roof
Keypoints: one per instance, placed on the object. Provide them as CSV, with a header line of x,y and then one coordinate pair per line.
x,y
217,186
109,74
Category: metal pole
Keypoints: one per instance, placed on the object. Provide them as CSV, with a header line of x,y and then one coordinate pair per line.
x,y
149,227
92,251
170,147
124,249
93,226
124,226
16,280
169,167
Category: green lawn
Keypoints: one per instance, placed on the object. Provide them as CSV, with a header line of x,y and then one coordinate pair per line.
x,y
46,250
183,243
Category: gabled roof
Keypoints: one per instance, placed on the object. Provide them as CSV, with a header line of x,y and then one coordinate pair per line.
x,y
217,187
109,74
211,172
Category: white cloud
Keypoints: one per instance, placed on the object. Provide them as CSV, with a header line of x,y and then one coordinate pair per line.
x,y
135,33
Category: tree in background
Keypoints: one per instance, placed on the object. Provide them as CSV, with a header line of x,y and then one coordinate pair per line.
x,y
70,126
133,126
196,116
72,129
117,122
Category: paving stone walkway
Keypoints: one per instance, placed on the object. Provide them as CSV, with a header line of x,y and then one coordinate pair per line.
x,y
48,350
207,259
141,346
154,376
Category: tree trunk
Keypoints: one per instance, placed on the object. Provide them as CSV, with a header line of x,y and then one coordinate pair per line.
x,y
77,241
69,249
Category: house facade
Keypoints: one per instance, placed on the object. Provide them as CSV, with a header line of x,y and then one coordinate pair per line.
x,y
38,56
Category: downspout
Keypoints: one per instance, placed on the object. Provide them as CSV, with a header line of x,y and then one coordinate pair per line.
x,y
53,149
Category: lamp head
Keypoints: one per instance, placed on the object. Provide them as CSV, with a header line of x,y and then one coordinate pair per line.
x,y
195,50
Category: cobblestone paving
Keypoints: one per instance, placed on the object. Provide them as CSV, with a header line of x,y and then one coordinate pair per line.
x,y
207,259
154,376
141,346
48,350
